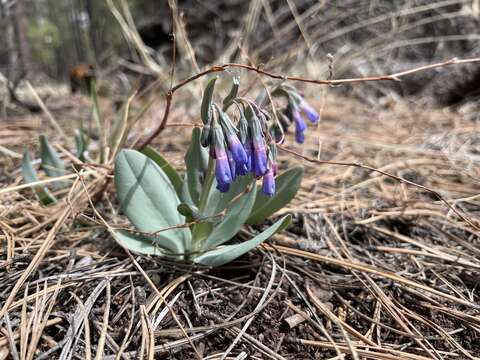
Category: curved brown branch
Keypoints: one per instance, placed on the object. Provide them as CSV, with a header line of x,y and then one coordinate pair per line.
x,y
168,103
221,68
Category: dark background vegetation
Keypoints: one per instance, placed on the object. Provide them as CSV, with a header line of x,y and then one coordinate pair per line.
x,y
49,37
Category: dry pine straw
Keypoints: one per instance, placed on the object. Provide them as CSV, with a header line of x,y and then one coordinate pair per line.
x,y
371,268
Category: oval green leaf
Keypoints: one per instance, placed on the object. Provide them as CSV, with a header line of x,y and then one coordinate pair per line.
x,y
218,201
136,243
234,219
30,176
196,161
168,169
80,145
228,253
149,200
51,162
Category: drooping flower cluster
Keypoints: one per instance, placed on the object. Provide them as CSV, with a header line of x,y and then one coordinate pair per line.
x,y
240,150
249,147
296,107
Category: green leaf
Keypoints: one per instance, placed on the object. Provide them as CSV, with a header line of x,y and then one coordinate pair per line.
x,y
190,212
228,253
51,162
218,201
185,193
80,144
196,160
233,91
206,109
168,169
30,176
149,200
234,219
287,185
136,243
28,172
99,121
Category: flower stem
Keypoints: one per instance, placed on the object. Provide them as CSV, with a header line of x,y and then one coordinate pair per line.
x,y
208,184
200,231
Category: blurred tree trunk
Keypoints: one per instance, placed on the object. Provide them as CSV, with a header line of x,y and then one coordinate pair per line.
x,y
24,49
4,37
93,27
77,33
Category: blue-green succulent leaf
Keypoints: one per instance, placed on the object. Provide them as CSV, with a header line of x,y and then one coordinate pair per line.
x,y
196,161
225,254
30,176
149,200
168,169
218,201
51,162
80,144
235,217
190,212
136,243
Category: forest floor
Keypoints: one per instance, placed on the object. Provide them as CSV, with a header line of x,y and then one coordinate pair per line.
x,y
371,268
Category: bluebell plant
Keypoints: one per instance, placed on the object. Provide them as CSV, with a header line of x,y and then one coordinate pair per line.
x,y
238,151
191,218
249,147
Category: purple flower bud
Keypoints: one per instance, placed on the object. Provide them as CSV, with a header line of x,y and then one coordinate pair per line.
x,y
312,115
268,186
300,137
222,168
242,169
223,187
249,151
232,164
259,157
237,150
300,125
243,128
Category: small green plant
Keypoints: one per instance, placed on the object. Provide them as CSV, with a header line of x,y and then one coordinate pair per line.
x,y
51,164
191,218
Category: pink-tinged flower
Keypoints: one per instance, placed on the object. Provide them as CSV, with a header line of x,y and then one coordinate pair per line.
x,y
249,151
260,164
238,152
232,164
268,185
310,112
300,125
259,158
222,169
